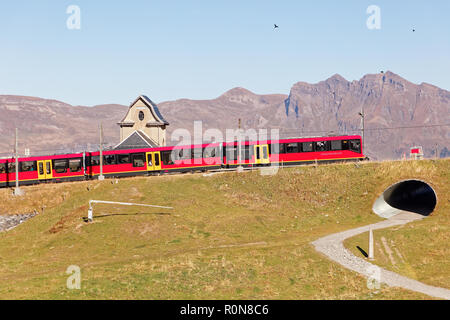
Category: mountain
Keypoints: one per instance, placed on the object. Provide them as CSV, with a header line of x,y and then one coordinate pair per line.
x,y
224,112
332,107
389,101
394,111
50,126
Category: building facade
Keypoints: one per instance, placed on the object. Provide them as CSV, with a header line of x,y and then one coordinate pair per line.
x,y
143,126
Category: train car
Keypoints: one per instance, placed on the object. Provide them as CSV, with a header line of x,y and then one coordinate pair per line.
x,y
32,170
121,163
293,151
321,149
246,154
191,158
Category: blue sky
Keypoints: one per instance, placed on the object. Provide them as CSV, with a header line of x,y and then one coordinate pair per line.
x,y
199,49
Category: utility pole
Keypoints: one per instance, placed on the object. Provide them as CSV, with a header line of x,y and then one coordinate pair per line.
x,y
101,176
371,245
240,168
17,190
362,127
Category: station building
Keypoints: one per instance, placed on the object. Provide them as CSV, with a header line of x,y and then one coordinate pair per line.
x,y
143,126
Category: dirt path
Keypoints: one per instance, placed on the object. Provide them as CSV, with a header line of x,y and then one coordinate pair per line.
x,y
332,246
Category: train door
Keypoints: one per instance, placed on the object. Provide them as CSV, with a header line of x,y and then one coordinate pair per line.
x,y
261,153
153,161
45,169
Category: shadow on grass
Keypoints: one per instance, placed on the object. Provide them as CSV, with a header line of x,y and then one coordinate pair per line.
x,y
85,219
364,253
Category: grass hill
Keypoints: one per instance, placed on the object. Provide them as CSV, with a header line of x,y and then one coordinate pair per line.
x,y
230,236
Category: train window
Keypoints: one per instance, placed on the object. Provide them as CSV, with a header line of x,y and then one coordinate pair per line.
x,y
231,153
209,152
123,158
157,162
11,167
307,147
345,145
245,153
166,157
197,153
355,145
265,154
95,160
277,148
75,165
185,154
321,145
60,165
292,147
138,160
182,154
27,166
336,145
109,159
2,168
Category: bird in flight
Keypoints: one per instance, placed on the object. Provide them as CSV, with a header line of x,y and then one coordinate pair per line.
x,y
414,30
275,26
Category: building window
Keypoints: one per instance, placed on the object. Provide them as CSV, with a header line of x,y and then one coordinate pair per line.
x,y
141,115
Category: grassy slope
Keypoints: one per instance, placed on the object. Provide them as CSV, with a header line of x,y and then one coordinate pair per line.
x,y
235,236
419,250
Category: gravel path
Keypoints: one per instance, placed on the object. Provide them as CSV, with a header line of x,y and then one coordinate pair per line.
x,y
332,246
7,222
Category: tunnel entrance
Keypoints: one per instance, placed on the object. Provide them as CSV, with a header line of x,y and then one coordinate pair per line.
x,y
408,195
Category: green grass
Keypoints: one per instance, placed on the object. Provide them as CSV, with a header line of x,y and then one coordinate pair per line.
x,y
230,236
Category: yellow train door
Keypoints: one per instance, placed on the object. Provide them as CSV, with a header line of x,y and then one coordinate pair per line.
x,y
153,160
261,153
257,154
156,160
45,170
265,153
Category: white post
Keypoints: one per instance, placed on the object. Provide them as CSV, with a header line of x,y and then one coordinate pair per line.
x,y
371,244
362,127
240,168
17,191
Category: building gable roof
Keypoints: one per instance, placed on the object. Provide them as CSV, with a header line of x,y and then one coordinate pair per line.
x,y
136,140
153,109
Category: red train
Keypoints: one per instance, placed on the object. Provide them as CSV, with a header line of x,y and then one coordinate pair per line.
x,y
119,163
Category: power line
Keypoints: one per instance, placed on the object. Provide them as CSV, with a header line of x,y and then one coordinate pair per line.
x,y
366,129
